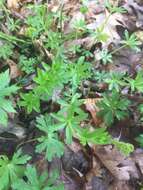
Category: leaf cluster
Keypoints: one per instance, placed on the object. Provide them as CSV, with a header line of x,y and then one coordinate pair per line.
x,y
6,90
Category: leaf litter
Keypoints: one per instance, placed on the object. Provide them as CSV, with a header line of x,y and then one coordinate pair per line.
x,y
93,166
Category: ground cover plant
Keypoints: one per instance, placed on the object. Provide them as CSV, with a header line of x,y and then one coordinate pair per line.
x,y
71,95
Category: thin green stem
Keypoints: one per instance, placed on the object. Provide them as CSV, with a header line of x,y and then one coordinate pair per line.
x,y
11,38
105,22
26,142
118,49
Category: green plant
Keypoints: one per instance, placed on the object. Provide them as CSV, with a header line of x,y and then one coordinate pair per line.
x,y
125,148
105,56
5,91
79,25
99,35
131,41
11,170
78,71
37,22
113,8
47,80
38,182
13,25
57,86
137,83
70,116
6,51
27,64
31,101
115,81
51,78
49,141
113,106
98,136
100,76
53,40
139,139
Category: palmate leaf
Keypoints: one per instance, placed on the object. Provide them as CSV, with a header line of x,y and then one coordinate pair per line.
x,y
49,142
36,182
131,41
51,145
11,170
113,106
5,91
31,101
70,116
98,136
137,83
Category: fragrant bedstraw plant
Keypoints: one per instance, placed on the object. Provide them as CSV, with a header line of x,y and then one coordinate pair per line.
x,y
115,81
6,50
113,106
27,64
65,76
49,142
11,170
38,182
70,116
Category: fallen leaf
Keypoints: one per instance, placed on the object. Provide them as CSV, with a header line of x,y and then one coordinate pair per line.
x,y
138,158
121,167
135,9
14,70
121,185
91,106
13,4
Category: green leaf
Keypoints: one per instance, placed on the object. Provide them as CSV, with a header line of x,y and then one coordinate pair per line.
x,y
37,182
115,81
99,35
113,8
140,139
125,148
27,64
49,142
5,91
131,41
11,170
31,101
69,134
105,56
98,136
6,51
70,116
137,83
113,106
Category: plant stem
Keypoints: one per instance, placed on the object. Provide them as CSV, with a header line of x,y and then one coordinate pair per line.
x,y
118,49
11,38
26,142
61,19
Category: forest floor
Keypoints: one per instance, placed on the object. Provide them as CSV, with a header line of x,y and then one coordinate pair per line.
x,y
71,95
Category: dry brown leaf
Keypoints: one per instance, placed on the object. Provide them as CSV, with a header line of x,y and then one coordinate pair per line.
x,y
75,146
110,26
121,167
121,185
135,9
90,105
138,158
13,4
14,70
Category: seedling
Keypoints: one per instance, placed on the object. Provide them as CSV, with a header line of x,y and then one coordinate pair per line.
x,y
113,106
